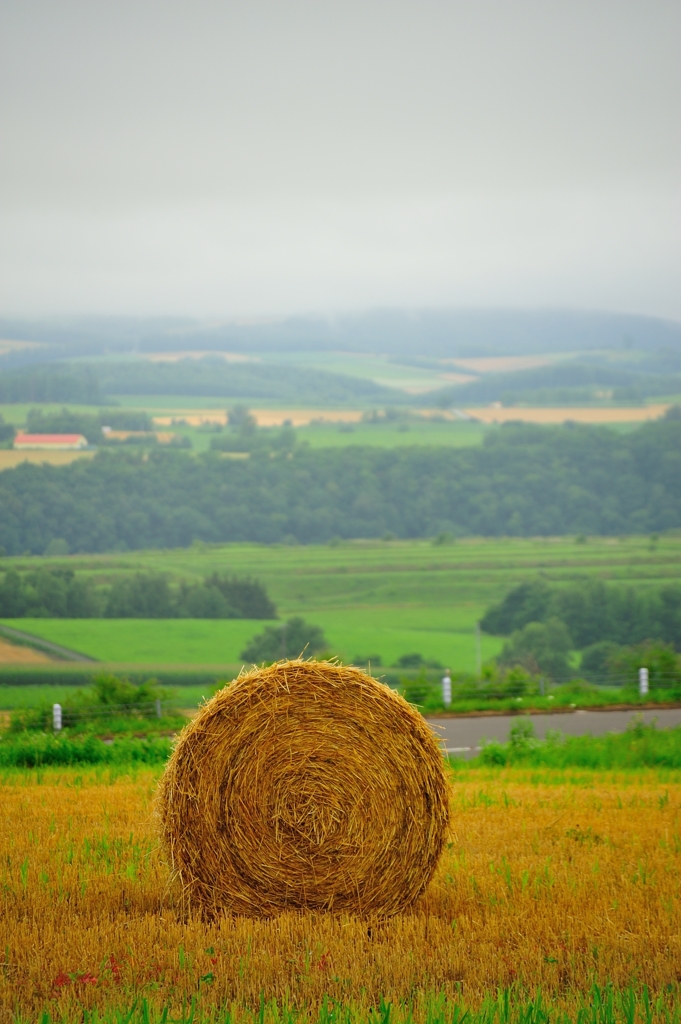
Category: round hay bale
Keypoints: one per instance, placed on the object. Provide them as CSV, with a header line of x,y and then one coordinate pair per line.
x,y
306,785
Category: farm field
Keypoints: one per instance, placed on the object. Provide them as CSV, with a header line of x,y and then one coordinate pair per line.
x,y
371,597
584,414
419,429
455,434
553,882
9,458
220,641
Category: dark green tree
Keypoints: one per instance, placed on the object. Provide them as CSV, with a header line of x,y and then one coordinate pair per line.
x,y
540,648
289,640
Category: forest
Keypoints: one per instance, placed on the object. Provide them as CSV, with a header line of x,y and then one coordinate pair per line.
x,y
522,481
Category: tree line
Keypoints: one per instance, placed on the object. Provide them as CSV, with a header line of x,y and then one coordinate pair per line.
x,y
60,593
592,611
522,481
618,629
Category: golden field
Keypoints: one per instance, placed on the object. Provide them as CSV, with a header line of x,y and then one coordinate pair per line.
x,y
9,458
264,417
16,654
549,883
557,414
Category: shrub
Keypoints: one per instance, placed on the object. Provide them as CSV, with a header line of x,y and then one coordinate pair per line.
x,y
597,659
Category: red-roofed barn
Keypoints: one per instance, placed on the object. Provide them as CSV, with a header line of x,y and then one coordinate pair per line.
x,y
50,442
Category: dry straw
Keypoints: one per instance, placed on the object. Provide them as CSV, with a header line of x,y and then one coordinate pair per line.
x,y
305,785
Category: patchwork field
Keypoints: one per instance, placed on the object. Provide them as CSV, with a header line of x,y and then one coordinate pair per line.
x,y
371,597
551,884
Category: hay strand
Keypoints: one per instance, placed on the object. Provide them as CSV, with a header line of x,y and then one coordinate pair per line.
x,y
306,785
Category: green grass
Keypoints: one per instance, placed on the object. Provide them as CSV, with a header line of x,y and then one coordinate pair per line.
x,y
351,633
17,697
148,641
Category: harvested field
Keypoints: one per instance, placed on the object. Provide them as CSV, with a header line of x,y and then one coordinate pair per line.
x,y
636,414
264,417
15,654
9,458
552,881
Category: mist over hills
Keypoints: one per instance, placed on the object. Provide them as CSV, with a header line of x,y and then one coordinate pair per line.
x,y
435,333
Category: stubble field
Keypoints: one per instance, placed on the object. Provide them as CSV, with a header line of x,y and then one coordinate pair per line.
x,y
551,884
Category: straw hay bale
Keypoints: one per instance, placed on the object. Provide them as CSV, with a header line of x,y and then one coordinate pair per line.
x,y
304,785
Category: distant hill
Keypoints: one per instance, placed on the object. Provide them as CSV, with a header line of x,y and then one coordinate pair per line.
x,y
93,383
562,383
434,333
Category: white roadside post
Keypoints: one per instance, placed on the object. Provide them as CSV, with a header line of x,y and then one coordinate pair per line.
x,y
446,689
56,717
643,682
158,709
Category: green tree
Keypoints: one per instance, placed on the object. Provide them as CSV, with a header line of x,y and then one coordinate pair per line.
x,y
289,640
142,596
540,648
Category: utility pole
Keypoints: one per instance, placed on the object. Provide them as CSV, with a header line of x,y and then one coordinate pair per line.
x,y
478,652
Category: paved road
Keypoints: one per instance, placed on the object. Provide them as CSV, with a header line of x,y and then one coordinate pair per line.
x,y
464,735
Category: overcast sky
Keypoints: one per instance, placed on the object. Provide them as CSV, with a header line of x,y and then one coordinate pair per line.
x,y
258,157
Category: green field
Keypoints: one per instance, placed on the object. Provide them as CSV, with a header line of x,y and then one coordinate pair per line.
x,y
214,642
371,597
392,434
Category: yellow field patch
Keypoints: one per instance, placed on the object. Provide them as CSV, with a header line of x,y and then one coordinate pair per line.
x,y
264,417
14,654
10,458
546,884
637,414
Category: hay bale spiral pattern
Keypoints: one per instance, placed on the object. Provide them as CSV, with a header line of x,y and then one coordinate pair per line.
x,y
305,785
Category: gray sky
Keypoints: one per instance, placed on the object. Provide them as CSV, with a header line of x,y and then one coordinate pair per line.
x,y
262,157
